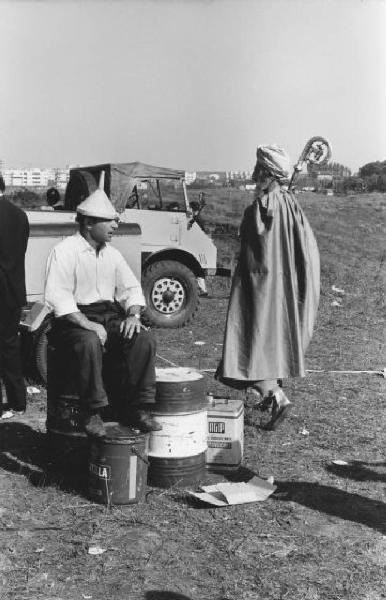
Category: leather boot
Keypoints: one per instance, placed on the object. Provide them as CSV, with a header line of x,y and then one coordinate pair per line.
x,y
143,421
281,408
94,426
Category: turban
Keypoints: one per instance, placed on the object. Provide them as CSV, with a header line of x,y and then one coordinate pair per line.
x,y
275,160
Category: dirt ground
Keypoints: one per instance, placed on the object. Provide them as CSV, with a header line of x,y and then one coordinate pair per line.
x,y
320,536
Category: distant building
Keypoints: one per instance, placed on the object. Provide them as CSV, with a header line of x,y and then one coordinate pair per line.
x,y
239,175
218,178
61,178
36,177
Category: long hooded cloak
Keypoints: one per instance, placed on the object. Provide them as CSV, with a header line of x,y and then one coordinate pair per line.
x,y
274,295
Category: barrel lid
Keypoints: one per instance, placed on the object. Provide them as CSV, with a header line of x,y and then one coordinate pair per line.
x,y
220,406
119,434
177,374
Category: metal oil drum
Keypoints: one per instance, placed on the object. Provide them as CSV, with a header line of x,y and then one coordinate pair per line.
x,y
68,444
177,452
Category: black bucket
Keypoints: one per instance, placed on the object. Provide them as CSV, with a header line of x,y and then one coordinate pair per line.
x,y
118,466
176,472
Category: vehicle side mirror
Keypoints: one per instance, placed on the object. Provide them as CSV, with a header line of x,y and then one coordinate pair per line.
x,y
201,200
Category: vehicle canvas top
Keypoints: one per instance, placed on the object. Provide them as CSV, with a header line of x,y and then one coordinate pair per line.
x,y
120,179
142,171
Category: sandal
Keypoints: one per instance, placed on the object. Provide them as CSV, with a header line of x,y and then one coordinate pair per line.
x,y
279,411
265,403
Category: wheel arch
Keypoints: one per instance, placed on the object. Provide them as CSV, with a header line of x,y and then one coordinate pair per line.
x,y
185,258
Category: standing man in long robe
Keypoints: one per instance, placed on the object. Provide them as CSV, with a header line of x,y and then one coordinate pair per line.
x,y
14,233
275,290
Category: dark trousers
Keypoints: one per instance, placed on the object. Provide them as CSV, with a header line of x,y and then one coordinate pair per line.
x,y
122,372
10,359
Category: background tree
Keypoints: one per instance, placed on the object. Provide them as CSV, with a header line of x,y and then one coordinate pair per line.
x,y
373,168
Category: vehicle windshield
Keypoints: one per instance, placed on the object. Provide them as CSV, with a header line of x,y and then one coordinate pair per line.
x,y
158,194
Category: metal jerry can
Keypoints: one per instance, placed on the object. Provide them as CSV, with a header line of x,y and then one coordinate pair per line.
x,y
225,434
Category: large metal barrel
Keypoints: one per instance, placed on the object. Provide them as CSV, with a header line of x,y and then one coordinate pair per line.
x,y
64,411
177,452
67,442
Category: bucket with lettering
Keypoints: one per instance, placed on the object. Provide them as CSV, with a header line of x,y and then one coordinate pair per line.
x,y
118,466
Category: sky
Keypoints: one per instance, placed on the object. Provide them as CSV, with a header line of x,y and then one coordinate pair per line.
x,y
190,84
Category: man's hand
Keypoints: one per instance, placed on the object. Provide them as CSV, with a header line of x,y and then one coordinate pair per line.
x,y
100,331
82,321
129,326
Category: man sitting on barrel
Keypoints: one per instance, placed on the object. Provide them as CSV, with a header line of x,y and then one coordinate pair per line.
x,y
97,303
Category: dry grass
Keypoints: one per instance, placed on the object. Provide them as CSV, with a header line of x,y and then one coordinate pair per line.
x,y
320,537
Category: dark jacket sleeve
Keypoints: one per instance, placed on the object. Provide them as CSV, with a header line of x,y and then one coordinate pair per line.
x,y
14,233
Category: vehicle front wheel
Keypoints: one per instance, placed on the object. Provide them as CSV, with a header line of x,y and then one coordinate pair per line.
x,y
171,294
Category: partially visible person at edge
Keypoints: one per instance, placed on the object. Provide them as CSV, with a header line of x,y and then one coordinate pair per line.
x,y
97,303
53,200
14,233
275,290
197,218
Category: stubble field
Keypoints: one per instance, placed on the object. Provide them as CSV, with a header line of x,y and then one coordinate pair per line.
x,y
321,536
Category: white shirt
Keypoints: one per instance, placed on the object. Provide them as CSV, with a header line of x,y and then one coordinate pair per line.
x,y
76,274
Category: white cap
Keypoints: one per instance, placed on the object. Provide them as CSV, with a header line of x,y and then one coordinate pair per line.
x,y
97,205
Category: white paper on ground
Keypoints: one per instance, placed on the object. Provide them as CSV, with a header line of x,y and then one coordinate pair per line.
x,y
337,290
96,550
228,494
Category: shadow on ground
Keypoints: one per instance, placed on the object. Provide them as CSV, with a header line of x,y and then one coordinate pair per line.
x,y
31,453
329,500
359,471
155,595
335,502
